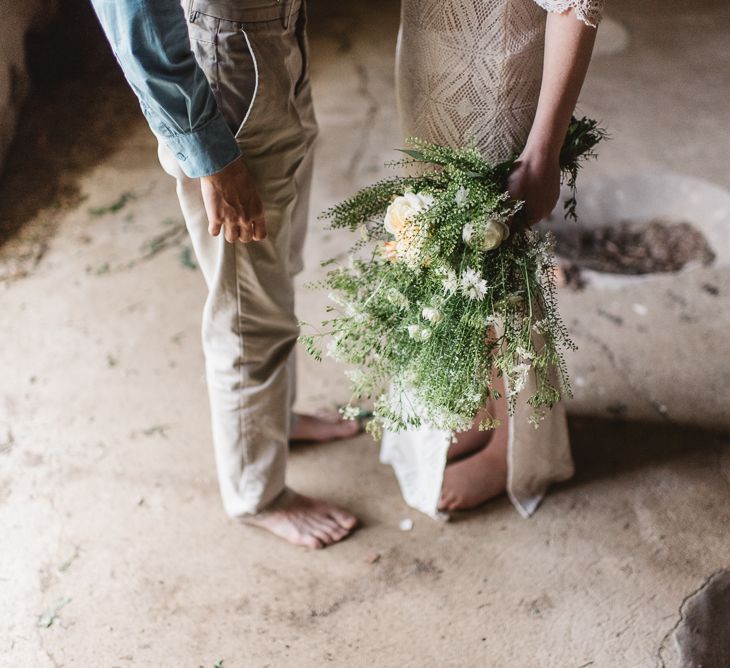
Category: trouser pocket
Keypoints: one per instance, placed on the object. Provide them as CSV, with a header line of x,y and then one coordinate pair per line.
x,y
226,56
254,55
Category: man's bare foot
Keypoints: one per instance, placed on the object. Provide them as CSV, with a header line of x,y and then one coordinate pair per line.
x,y
305,521
323,427
473,480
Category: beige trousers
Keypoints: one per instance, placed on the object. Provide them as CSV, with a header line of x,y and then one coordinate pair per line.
x,y
254,54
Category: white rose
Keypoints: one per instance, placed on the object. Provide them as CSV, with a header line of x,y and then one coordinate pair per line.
x,y
432,315
425,334
404,208
495,232
414,331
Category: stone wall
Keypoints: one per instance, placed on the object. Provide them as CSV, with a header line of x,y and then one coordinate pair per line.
x,y
17,19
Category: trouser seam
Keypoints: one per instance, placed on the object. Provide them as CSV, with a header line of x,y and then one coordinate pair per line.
x,y
239,331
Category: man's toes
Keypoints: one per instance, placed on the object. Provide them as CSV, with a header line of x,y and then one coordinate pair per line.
x,y
311,541
333,528
322,534
345,520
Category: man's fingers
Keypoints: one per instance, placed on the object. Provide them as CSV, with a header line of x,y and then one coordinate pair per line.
x,y
231,232
259,229
214,229
245,231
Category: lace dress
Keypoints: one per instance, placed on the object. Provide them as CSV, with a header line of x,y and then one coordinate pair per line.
x,y
472,69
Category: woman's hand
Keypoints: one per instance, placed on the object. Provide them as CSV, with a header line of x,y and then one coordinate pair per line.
x,y
535,180
536,176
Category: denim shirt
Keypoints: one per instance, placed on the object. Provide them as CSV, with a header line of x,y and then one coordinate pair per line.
x,y
150,41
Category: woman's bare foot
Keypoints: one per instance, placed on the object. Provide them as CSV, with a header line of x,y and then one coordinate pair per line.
x,y
305,521
471,481
323,427
480,473
468,442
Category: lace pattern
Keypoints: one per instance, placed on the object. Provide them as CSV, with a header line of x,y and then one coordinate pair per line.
x,y
588,11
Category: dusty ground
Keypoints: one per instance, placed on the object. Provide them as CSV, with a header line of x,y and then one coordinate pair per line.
x,y
115,549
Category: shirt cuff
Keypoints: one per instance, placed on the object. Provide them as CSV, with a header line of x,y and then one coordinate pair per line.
x,y
206,150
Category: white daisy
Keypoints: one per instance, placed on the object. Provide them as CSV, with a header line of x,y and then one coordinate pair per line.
x,y
473,285
451,282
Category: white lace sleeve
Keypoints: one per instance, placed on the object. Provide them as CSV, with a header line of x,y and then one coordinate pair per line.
x,y
588,11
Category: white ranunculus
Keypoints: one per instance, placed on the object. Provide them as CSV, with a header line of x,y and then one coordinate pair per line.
x,y
414,331
425,334
432,315
404,208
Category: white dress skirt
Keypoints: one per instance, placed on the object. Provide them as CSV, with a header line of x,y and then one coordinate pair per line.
x,y
471,69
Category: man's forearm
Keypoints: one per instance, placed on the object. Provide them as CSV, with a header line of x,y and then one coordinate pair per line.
x,y
568,47
150,40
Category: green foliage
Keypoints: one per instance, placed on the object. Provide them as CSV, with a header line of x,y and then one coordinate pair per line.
x,y
437,298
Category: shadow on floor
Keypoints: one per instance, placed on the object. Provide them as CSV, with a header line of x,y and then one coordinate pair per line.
x,y
604,448
78,110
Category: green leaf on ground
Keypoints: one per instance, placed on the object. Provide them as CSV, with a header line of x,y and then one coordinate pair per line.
x,y
187,259
46,619
119,204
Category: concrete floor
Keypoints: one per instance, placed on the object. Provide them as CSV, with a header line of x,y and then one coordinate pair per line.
x,y
115,549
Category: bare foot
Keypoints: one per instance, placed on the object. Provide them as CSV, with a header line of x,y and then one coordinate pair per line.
x,y
305,521
481,472
323,427
471,481
468,442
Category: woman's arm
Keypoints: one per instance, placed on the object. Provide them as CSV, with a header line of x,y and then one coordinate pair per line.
x,y
536,176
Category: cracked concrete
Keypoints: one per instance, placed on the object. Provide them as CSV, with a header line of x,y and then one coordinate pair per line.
x,y
107,486
701,634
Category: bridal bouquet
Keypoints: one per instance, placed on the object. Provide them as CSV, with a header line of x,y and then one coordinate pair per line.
x,y
442,287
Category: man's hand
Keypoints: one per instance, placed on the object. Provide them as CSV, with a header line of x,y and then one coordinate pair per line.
x,y
535,180
233,204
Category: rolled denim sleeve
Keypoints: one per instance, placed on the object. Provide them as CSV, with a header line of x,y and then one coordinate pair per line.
x,y
150,40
